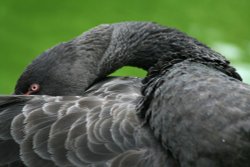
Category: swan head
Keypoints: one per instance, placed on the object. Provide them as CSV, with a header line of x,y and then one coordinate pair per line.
x,y
68,68
55,72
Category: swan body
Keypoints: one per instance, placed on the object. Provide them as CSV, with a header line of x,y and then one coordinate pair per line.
x,y
100,128
192,110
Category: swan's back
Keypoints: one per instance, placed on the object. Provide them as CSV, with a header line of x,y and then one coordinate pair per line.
x,y
200,114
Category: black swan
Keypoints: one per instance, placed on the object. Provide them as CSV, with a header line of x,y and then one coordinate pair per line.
x,y
192,110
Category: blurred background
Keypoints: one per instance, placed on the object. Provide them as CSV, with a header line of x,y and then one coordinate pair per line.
x,y
29,27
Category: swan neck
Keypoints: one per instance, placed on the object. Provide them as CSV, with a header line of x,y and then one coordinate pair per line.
x,y
144,45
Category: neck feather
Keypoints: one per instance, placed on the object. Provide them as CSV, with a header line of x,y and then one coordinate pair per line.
x,y
144,44
106,48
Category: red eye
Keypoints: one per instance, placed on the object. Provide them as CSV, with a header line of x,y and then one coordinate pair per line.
x,y
34,87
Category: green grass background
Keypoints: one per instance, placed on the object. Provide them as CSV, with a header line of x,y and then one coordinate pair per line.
x,y
28,27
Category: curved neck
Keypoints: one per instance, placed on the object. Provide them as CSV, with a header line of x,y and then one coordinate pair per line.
x,y
71,67
144,44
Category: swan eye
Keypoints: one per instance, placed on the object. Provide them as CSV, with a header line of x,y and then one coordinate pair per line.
x,y
33,89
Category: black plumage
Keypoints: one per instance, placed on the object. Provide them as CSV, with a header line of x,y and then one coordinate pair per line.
x,y
191,110
199,114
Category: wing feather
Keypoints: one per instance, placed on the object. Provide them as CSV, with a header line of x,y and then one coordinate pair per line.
x,y
97,130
